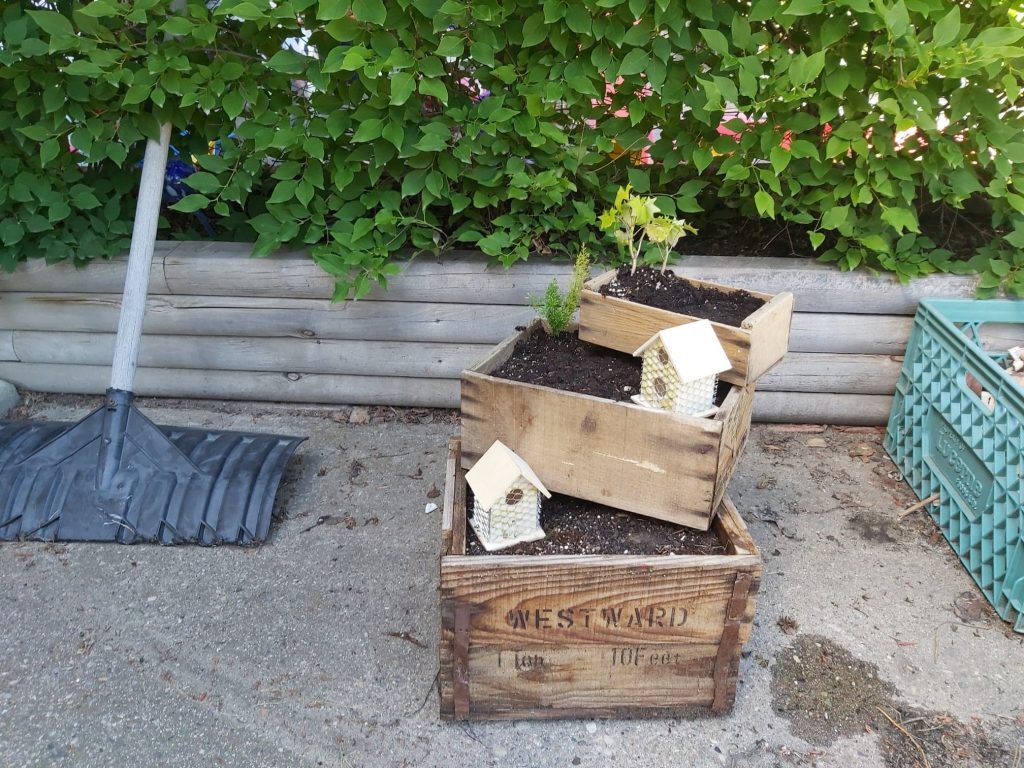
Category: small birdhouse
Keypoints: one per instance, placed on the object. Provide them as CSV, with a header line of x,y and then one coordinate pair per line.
x,y
506,499
680,369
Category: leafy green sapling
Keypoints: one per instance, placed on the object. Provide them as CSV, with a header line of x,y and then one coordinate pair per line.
x,y
665,232
627,219
556,310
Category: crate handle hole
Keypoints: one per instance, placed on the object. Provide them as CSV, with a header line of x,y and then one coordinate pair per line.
x,y
985,397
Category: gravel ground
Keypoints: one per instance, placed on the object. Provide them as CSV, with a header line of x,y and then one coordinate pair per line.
x,y
319,648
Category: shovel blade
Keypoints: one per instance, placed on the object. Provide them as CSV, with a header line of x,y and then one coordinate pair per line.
x,y
172,486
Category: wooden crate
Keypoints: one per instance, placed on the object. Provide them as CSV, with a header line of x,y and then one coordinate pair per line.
x,y
550,636
665,465
755,346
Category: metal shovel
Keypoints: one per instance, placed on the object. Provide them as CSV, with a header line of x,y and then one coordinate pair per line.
x,y
116,476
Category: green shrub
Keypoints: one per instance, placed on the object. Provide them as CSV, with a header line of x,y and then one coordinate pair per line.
x,y
391,148
556,310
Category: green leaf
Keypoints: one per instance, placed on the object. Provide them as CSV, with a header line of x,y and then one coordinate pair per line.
x,y
999,267
702,158
203,182
402,86
835,216
233,103
897,19
48,151
395,133
534,30
765,203
947,29
578,19
901,219
52,23
451,46
177,25
371,11
191,203
431,142
99,9
816,238
435,88
635,62
803,8
288,62
83,68
368,130
780,158
716,40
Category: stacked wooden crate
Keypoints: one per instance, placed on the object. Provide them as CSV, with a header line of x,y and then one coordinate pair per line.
x,y
601,635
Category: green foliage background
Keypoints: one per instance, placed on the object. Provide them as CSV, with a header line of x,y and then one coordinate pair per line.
x,y
390,149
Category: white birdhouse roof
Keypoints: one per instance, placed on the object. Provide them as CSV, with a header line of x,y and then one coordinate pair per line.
x,y
497,470
693,349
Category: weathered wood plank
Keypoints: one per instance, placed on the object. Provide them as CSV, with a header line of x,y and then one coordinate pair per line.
x,y
7,353
819,287
844,374
269,317
822,408
100,276
845,333
245,385
225,353
451,470
459,277
735,428
465,277
769,334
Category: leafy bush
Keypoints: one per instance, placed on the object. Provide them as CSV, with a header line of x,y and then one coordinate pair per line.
x,y
429,124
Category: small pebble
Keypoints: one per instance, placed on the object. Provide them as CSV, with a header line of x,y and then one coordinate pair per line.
x,y
431,507
591,727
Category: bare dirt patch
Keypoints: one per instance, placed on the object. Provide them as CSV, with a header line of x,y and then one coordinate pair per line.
x,y
826,693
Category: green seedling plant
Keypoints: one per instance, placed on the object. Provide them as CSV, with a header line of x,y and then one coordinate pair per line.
x,y
627,220
556,310
665,232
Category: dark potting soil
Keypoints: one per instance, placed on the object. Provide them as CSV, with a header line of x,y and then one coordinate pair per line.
x,y
564,362
577,527
667,291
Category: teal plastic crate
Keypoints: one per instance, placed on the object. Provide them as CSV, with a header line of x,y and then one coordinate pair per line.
x,y
945,440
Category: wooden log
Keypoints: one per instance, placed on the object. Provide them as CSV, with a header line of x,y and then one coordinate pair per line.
x,y
100,276
225,353
459,277
7,353
820,287
552,636
269,317
656,463
845,374
244,385
210,268
846,333
795,407
821,408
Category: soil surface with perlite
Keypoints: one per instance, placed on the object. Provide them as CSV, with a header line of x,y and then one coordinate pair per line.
x,y
577,527
652,288
564,362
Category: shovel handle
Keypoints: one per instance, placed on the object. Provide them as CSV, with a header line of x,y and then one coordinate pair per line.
x,y
140,260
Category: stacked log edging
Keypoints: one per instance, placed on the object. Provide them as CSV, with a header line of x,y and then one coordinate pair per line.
x,y
222,325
